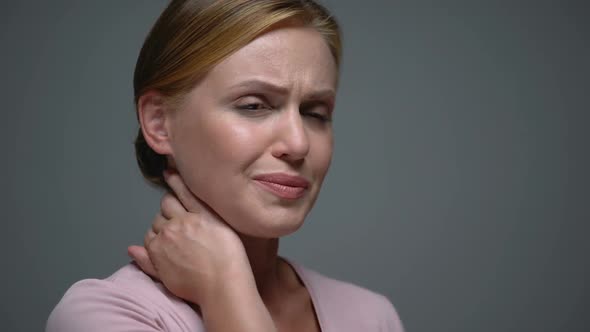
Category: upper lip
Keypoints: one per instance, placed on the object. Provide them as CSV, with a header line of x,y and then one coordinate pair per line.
x,y
283,179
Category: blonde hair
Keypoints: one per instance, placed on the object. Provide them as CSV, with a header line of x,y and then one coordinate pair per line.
x,y
192,36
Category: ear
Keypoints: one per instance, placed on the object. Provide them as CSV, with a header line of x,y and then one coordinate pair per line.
x,y
154,119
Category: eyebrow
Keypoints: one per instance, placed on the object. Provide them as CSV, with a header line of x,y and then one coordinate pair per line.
x,y
277,89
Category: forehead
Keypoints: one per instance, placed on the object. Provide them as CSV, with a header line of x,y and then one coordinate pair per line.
x,y
293,57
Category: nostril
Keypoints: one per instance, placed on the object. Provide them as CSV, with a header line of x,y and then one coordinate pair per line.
x,y
292,142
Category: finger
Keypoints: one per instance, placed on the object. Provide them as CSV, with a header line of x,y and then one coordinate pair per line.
x,y
158,224
141,257
185,196
170,207
149,236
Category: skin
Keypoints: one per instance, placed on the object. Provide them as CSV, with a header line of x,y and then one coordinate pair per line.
x,y
266,108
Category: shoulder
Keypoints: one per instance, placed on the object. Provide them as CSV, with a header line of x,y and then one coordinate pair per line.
x,y
352,304
126,300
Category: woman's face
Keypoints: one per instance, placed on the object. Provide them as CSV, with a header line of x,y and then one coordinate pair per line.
x,y
253,139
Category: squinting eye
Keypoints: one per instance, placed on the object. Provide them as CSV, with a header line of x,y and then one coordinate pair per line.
x,y
252,106
321,117
317,111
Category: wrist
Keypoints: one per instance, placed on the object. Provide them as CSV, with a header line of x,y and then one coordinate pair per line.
x,y
230,288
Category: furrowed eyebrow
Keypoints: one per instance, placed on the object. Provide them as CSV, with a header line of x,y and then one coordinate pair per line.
x,y
264,85
261,85
321,94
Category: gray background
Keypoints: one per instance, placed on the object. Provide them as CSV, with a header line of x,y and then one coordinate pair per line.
x,y
459,186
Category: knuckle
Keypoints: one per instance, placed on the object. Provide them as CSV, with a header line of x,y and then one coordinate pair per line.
x,y
156,220
166,200
147,237
167,233
160,220
152,250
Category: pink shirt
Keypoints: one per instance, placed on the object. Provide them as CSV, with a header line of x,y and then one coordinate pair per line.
x,y
129,300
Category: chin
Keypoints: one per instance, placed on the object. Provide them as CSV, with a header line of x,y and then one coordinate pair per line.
x,y
264,216
268,227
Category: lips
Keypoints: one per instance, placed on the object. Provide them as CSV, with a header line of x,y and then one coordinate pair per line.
x,y
283,185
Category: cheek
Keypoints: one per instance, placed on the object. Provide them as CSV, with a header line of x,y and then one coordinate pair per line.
x,y
235,144
216,145
322,152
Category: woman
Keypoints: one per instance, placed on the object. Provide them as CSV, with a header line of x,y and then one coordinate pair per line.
x,y
235,101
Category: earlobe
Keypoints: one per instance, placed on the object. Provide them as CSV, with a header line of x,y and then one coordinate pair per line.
x,y
153,118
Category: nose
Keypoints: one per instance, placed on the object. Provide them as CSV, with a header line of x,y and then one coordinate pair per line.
x,y
292,142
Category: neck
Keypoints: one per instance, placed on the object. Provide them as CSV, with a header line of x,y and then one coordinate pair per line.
x,y
264,260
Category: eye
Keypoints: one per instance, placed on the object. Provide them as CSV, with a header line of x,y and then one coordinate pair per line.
x,y
251,106
318,116
317,111
252,103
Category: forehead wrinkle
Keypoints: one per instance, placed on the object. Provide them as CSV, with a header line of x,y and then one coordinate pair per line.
x,y
245,63
277,57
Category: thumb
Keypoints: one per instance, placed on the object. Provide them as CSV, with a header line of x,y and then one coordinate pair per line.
x,y
140,255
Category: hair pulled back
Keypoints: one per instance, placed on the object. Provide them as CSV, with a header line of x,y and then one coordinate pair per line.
x,y
192,36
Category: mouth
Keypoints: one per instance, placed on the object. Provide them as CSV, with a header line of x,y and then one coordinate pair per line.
x,y
283,185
